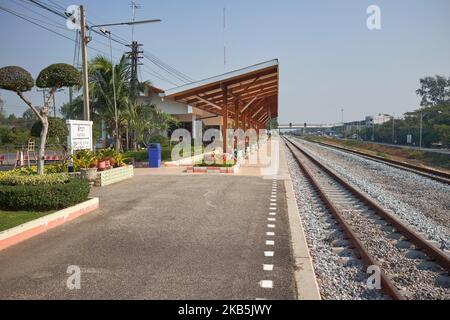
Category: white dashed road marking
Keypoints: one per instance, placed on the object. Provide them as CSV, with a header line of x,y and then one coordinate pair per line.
x,y
270,242
268,253
268,267
270,234
267,284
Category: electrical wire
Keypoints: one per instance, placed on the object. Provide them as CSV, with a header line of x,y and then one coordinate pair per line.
x,y
54,8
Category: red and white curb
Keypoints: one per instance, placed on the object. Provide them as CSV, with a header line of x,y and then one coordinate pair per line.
x,y
32,228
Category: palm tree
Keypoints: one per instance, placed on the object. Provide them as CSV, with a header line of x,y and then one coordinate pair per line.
x,y
101,89
147,120
142,120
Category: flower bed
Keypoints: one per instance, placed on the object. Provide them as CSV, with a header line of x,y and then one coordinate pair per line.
x,y
227,168
110,176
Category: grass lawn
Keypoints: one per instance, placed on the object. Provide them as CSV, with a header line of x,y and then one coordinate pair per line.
x,y
10,219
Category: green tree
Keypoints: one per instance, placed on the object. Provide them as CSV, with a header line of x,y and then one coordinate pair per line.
x,y
2,111
29,118
57,130
74,110
272,124
102,91
53,77
434,91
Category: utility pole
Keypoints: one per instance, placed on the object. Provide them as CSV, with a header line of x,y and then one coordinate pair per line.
x,y
135,58
420,134
84,42
393,129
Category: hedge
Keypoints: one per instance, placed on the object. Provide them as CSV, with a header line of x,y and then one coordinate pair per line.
x,y
13,179
44,197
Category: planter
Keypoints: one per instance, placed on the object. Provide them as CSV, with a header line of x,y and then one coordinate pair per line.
x,y
101,165
214,169
89,174
107,177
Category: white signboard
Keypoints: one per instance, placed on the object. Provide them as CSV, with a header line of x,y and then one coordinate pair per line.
x,y
409,139
80,135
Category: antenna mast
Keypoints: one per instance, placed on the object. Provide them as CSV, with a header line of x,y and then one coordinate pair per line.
x,y
224,38
133,6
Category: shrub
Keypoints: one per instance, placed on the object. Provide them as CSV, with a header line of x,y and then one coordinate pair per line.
x,y
416,154
60,167
59,75
164,141
44,197
57,129
84,159
33,180
15,79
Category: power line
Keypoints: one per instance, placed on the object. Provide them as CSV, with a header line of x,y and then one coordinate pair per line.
x,y
158,62
168,68
44,27
117,39
38,13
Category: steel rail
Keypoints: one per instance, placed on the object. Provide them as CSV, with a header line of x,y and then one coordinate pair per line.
x,y
421,243
426,172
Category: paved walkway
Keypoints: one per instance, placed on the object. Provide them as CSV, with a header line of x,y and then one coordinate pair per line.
x,y
163,237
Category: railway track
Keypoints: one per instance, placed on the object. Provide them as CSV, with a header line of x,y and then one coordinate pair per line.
x,y
423,171
412,267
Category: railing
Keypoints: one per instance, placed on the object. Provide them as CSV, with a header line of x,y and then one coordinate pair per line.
x,y
9,155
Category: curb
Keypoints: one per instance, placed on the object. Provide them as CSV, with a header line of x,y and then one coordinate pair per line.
x,y
32,228
305,277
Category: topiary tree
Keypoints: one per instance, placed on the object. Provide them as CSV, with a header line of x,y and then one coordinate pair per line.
x,y
53,77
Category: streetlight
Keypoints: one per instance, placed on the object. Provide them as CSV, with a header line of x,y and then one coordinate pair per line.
x,y
422,114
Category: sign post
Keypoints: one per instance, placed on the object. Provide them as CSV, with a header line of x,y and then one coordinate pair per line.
x,y
79,138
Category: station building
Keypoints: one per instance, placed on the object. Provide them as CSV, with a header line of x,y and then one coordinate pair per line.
x,y
240,99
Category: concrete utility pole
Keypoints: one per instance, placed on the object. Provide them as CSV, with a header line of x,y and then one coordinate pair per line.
x,y
420,134
393,129
84,42
135,57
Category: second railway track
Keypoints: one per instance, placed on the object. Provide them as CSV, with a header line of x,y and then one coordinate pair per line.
x,y
412,266
430,173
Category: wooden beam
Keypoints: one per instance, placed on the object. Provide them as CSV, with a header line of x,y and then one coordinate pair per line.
x,y
217,93
224,118
236,122
217,85
249,103
209,102
259,110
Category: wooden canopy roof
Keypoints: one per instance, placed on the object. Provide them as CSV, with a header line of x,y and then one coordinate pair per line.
x,y
251,91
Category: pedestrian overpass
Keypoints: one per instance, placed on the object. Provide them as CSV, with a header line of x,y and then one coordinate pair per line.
x,y
309,126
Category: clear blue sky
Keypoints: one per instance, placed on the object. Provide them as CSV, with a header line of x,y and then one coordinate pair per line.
x,y
328,58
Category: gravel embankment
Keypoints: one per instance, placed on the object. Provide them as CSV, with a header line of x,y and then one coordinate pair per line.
x,y
421,202
335,281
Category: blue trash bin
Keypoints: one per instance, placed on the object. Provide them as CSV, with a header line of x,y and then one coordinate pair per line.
x,y
154,155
